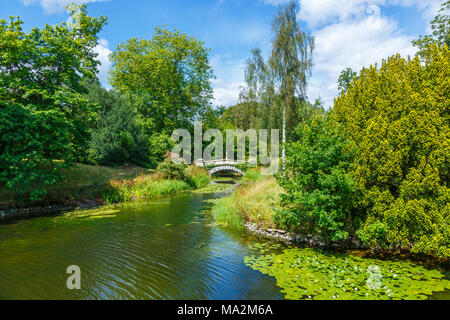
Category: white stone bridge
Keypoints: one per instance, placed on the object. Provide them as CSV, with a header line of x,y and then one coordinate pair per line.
x,y
223,165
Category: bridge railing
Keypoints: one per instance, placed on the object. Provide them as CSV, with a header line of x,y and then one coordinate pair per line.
x,y
203,163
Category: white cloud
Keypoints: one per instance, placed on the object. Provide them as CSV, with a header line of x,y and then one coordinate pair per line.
x,y
316,13
429,8
103,51
229,79
354,34
56,6
353,44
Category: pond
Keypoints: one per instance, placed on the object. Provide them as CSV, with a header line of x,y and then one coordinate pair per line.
x,y
164,249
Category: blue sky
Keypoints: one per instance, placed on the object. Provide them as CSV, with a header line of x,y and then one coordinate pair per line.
x,y
348,33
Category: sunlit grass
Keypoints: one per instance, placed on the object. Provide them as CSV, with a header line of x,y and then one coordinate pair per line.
x,y
81,182
144,187
256,201
226,214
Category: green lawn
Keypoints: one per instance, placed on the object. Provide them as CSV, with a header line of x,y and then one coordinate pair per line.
x,y
81,183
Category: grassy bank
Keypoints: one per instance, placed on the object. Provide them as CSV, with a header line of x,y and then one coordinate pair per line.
x,y
150,186
99,184
80,183
143,187
256,201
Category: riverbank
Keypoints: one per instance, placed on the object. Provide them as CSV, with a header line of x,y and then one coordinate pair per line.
x,y
255,201
86,187
253,207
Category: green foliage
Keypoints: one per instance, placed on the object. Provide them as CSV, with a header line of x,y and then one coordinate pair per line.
x,y
252,174
319,193
290,61
143,188
167,78
274,96
159,145
41,84
171,170
440,27
226,214
30,140
117,138
314,274
346,78
197,177
397,121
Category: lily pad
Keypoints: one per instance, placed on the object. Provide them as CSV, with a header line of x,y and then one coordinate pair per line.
x,y
316,274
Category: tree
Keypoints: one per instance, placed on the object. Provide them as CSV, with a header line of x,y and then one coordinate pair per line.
x,y
167,78
440,27
397,120
45,115
346,78
291,62
116,138
320,195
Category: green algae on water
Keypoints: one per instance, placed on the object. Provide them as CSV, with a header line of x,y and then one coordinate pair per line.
x,y
99,213
315,274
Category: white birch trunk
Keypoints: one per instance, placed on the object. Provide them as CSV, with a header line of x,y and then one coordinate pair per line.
x,y
283,154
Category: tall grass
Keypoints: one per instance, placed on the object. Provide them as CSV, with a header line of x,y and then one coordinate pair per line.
x,y
226,213
197,177
259,200
256,201
252,175
143,188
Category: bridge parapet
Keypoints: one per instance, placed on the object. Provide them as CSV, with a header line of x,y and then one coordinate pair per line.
x,y
223,162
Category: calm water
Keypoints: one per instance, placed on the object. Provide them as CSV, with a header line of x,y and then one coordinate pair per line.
x,y
166,249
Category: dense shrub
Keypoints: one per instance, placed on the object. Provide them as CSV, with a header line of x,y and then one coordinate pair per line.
x,y
159,144
171,170
319,193
118,138
30,142
397,120
197,177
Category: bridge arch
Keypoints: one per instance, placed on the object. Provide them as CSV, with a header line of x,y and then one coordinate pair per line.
x,y
225,168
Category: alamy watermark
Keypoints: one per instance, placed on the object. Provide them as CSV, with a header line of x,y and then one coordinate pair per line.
x,y
374,280
74,280
256,152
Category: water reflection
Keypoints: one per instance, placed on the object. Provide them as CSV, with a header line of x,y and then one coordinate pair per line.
x,y
167,249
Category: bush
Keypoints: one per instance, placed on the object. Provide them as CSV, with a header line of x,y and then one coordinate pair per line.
x,y
118,139
171,170
197,177
159,144
31,142
397,120
320,195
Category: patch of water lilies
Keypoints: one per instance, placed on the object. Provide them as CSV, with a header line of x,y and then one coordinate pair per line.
x,y
315,274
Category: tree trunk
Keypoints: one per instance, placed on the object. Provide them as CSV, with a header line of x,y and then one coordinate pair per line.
x,y
283,154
